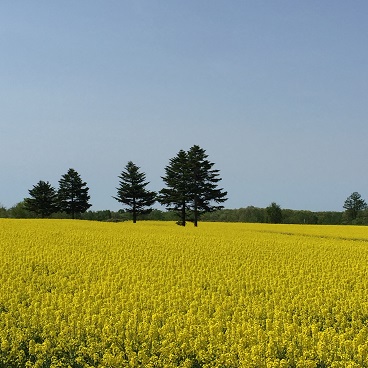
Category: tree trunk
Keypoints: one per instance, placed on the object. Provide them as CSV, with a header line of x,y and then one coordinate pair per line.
x,y
195,212
183,219
73,207
134,212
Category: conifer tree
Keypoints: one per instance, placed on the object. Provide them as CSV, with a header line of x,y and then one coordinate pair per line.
x,y
191,185
73,194
43,201
274,213
132,191
176,195
354,204
204,192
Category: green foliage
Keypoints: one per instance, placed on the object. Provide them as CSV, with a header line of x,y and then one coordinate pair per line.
x,y
361,219
104,215
158,215
3,211
176,195
274,213
248,214
329,217
73,194
299,217
132,191
252,214
259,215
203,184
191,185
43,201
19,211
353,205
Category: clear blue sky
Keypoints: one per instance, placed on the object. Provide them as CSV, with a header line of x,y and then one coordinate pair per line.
x,y
274,91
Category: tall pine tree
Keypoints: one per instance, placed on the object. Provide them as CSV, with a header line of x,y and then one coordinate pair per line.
x,y
191,185
132,191
176,195
353,205
274,213
73,194
43,201
204,192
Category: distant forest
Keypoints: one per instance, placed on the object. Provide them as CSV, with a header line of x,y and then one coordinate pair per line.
x,y
247,214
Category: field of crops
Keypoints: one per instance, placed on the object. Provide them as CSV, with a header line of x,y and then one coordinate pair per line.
x,y
153,294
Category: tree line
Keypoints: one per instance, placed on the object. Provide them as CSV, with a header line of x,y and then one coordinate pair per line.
x,y
191,190
243,214
356,213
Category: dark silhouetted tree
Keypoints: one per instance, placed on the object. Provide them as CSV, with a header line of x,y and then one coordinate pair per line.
x,y
191,185
43,201
274,213
132,191
176,195
353,205
205,196
73,194
3,211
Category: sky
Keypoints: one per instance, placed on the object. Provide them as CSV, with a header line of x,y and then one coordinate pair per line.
x,y
274,91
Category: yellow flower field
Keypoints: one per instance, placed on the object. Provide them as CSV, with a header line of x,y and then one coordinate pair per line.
x,y
153,294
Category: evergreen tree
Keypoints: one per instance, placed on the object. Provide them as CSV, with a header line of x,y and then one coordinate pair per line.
x,y
43,200
203,184
354,204
73,194
176,195
274,213
3,211
191,185
132,191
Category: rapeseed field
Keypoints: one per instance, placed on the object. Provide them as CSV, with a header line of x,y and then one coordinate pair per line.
x,y
153,294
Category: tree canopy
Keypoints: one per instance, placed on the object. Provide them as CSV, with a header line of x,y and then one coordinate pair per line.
x,y
205,196
132,191
354,204
73,194
176,195
191,185
43,199
274,213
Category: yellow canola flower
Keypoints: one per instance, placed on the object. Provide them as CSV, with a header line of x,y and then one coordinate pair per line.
x,y
153,294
